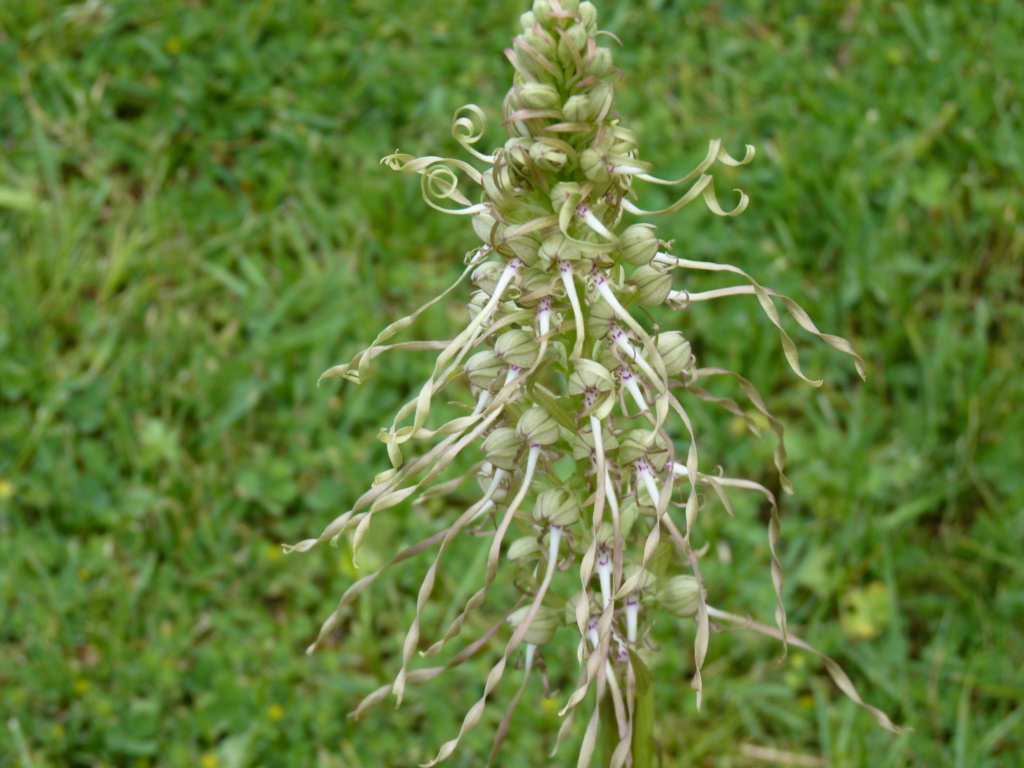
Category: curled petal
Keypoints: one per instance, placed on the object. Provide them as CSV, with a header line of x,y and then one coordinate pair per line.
x,y
703,186
468,126
715,153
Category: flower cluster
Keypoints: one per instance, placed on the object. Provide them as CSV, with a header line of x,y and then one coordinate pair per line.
x,y
583,488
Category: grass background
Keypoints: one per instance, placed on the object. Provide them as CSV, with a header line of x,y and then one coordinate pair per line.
x,y
194,225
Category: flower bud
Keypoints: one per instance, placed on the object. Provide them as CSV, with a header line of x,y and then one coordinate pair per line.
x,y
583,443
483,225
525,248
578,108
517,347
594,166
537,427
601,64
498,183
602,96
557,248
680,596
527,20
486,276
601,318
544,42
526,548
514,127
556,506
479,299
641,443
675,352
590,376
545,621
569,5
539,96
484,478
541,10
577,33
638,245
476,303
517,152
483,368
502,448
565,192
588,17
634,445
652,285
510,105
547,157
564,57
532,279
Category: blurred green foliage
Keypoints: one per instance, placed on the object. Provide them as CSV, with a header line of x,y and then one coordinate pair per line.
x,y
194,225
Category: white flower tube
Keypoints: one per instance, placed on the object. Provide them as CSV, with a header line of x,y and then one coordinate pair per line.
x,y
629,382
565,270
620,340
646,476
632,616
594,223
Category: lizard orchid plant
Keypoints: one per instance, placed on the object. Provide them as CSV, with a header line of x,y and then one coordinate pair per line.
x,y
586,496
